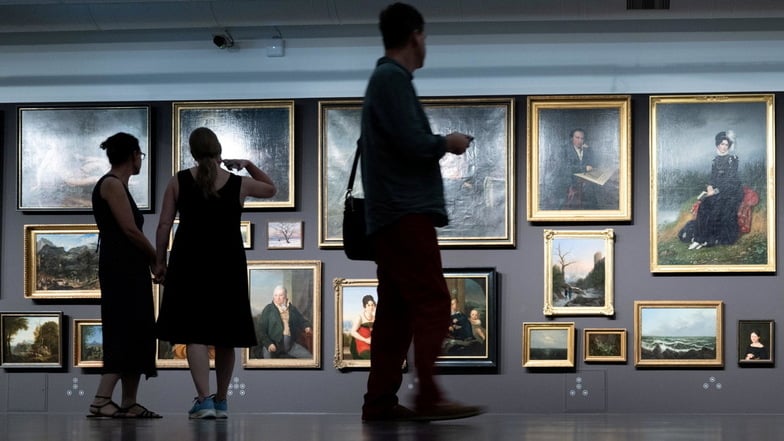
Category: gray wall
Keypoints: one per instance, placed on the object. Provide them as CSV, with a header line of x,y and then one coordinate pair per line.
x,y
612,388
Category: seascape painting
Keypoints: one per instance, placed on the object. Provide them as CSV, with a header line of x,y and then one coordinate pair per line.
x,y
549,344
678,333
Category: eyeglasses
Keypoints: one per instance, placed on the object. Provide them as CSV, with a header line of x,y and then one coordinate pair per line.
x,y
142,154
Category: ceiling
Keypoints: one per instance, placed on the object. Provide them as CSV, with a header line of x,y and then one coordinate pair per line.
x,y
39,21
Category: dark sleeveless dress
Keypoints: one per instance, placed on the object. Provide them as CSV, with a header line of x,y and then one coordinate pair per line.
x,y
205,295
127,314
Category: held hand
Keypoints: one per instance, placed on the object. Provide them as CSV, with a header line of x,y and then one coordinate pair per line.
x,y
458,143
272,348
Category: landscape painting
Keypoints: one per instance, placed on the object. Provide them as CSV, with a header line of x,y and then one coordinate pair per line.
x,y
578,272
678,333
548,344
31,340
61,262
88,343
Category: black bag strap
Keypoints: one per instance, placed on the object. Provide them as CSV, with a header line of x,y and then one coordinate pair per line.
x,y
353,171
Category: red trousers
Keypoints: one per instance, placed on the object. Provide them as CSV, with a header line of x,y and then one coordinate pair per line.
x,y
413,304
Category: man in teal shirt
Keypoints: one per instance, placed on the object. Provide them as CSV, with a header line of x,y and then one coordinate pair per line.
x,y
404,195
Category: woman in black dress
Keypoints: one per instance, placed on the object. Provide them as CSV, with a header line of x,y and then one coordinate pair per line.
x,y
717,215
205,297
124,265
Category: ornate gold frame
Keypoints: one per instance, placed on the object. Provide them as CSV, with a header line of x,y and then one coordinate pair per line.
x,y
553,294
603,117
566,341
619,357
354,289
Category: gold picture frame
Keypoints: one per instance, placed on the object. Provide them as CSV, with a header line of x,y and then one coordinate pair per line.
x,y
695,227
302,281
260,131
88,343
660,323
61,262
604,345
350,300
482,180
599,191
578,272
549,344
31,340
759,352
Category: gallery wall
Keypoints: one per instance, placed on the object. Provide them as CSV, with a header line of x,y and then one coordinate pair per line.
x,y
636,64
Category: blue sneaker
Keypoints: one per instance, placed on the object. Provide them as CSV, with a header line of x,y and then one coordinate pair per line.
x,y
203,410
221,408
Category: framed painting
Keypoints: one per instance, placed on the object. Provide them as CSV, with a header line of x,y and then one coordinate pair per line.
x,y
355,312
678,333
481,180
548,344
88,343
59,157
579,158
578,272
291,287
61,262
31,339
260,131
472,340
284,235
168,355
756,342
604,345
713,180
246,230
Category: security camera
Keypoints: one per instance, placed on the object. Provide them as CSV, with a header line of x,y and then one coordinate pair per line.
x,y
223,41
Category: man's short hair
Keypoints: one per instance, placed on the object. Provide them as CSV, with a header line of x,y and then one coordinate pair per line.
x,y
397,22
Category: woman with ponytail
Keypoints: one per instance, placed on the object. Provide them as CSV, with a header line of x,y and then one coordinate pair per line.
x,y
205,297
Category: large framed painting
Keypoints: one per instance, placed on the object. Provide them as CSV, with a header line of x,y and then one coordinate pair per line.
x,y
756,342
260,131
479,181
472,338
678,333
578,272
713,180
59,158
579,158
355,313
31,339
88,343
548,344
281,289
61,262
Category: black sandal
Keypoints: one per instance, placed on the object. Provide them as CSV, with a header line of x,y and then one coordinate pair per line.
x,y
139,412
97,411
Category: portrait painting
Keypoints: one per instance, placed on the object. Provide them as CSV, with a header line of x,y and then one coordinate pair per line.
x,y
579,272
284,235
471,341
578,159
712,172
481,180
549,344
285,292
604,345
678,333
756,342
259,131
60,159
88,343
355,313
31,339
61,262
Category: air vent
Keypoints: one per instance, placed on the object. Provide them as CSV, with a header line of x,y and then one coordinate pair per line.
x,y
647,4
